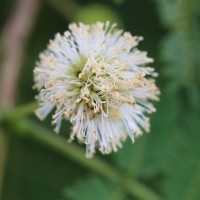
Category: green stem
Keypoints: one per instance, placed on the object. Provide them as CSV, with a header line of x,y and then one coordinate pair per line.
x,y
20,111
29,129
137,189
36,132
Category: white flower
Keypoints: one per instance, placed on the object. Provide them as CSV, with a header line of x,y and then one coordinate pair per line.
x,y
95,76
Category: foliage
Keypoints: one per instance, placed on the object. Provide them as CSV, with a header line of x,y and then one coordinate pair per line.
x,y
93,188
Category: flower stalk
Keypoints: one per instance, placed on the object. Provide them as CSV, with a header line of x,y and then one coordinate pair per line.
x,y
33,131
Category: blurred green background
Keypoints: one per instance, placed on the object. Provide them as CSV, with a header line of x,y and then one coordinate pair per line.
x,y
36,164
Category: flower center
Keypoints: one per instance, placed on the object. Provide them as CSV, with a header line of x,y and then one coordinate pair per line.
x,y
93,85
102,85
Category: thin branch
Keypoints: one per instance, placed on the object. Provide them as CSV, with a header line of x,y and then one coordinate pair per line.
x,y
16,33
34,131
38,133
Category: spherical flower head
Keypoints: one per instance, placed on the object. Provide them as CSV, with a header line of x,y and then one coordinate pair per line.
x,y
95,76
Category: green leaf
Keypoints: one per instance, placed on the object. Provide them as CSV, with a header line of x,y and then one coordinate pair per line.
x,y
93,188
183,169
130,157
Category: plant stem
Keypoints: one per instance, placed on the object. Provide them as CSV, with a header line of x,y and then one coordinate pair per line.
x,y
20,111
34,131
29,129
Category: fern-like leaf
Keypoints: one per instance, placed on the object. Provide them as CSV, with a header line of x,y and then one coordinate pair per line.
x,y
93,188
